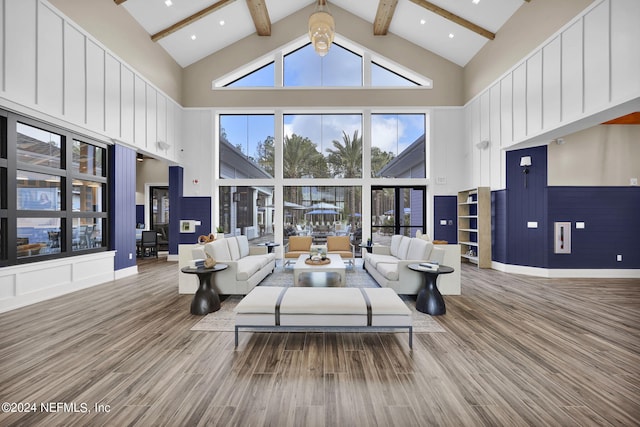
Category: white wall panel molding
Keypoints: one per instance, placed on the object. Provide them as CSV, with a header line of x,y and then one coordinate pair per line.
x,y
20,50
26,284
51,66
584,74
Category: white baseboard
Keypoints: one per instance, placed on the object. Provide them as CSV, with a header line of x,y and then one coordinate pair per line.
x,y
600,273
126,272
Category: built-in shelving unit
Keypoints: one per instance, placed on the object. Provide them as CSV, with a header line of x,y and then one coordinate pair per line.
x,y
474,226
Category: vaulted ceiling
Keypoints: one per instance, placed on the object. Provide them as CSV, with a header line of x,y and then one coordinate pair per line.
x,y
190,30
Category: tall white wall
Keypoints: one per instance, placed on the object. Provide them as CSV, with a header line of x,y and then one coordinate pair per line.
x,y
583,75
54,71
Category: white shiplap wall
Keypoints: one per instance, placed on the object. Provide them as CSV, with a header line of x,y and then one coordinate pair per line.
x,y
51,68
586,71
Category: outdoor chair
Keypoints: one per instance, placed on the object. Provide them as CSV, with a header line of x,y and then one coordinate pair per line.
x,y
296,246
342,246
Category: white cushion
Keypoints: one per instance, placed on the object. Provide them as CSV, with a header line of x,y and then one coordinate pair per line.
x,y
323,301
247,267
374,259
385,301
218,249
395,243
234,249
198,252
419,249
388,270
404,247
261,299
243,245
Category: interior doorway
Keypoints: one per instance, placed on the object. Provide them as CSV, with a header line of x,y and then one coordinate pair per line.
x,y
159,204
397,210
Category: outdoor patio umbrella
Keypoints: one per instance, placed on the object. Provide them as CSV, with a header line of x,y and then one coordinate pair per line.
x,y
324,205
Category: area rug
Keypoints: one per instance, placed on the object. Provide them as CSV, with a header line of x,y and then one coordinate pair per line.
x,y
223,320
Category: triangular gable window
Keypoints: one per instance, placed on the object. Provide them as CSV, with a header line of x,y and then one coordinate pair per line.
x,y
343,66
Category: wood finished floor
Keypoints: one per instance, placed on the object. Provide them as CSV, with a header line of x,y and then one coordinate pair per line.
x,y
518,351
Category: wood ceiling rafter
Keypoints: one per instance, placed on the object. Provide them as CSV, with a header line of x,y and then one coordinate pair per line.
x,y
260,16
455,18
190,19
384,15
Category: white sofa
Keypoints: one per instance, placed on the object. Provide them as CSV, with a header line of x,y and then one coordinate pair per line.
x,y
248,266
388,265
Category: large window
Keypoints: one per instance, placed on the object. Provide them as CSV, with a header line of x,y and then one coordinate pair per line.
x,y
58,207
246,145
322,146
398,145
340,67
346,65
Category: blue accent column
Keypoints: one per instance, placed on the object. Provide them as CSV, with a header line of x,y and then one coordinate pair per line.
x,y
445,208
176,179
527,246
122,205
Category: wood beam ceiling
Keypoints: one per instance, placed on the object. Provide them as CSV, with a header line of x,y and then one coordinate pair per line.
x,y
455,18
190,19
260,16
384,15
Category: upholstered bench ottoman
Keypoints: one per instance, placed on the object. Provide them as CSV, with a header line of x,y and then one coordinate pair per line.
x,y
304,309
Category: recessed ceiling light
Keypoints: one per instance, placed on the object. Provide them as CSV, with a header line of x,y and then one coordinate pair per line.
x,y
193,37
475,1
221,22
168,3
451,35
423,21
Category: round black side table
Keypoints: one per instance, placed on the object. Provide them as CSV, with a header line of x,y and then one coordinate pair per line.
x,y
206,299
429,298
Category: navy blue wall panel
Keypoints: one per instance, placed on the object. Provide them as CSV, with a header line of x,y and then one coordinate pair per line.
x,y
527,246
199,209
176,177
612,226
499,241
122,205
445,208
140,214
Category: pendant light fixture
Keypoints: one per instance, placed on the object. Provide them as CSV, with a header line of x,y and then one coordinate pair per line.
x,y
321,28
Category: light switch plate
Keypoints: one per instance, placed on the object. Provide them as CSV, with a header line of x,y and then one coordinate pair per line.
x,y
580,224
532,224
443,222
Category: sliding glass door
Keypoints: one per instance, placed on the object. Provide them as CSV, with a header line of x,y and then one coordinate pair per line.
x,y
396,210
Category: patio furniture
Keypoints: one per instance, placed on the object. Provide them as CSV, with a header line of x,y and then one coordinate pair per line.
x,y
340,245
296,246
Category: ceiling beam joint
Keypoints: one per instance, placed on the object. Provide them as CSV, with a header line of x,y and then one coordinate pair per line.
x,y
384,15
260,16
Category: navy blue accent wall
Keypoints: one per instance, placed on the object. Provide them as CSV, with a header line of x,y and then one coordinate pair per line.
x,y
176,177
527,246
140,214
122,205
499,241
445,208
199,209
612,226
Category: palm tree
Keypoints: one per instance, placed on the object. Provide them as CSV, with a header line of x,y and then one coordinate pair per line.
x,y
346,162
379,159
301,159
346,157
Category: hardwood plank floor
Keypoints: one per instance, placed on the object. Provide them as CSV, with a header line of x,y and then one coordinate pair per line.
x,y
518,351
